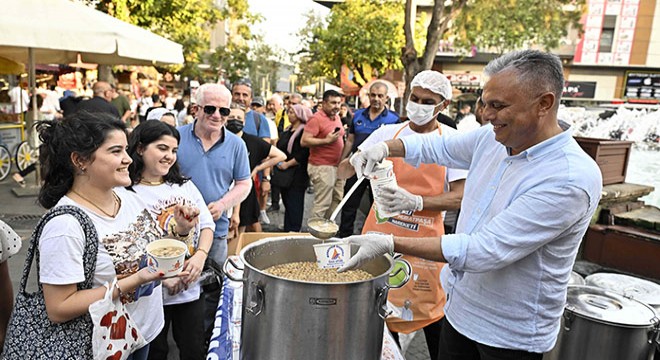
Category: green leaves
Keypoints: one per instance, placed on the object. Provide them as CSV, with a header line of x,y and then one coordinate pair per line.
x,y
501,26
362,34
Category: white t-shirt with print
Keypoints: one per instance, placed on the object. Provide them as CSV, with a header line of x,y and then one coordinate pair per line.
x,y
162,199
387,132
122,243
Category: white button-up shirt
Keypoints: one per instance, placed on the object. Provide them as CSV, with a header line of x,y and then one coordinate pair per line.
x,y
522,219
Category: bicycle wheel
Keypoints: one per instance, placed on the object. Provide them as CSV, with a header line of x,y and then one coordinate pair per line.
x,y
5,162
26,155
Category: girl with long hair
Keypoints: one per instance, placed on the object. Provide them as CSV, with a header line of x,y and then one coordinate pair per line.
x,y
156,178
83,159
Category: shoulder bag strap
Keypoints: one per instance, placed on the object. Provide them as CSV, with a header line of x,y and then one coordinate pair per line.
x,y
91,245
257,121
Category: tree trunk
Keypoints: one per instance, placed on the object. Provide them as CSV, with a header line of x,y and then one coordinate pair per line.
x,y
439,24
105,74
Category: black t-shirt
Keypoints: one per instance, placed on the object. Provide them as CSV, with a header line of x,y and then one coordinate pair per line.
x,y
301,154
96,105
258,149
69,105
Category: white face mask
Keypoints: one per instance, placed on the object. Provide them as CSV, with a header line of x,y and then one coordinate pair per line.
x,y
420,114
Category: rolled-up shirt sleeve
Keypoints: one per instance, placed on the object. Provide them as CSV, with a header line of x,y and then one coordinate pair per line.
x,y
531,221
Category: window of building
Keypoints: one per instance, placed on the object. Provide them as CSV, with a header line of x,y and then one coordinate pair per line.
x,y
607,34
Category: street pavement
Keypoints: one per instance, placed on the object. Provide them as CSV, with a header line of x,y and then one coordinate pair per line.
x,y
23,213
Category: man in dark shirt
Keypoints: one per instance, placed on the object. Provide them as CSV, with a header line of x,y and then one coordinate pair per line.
x,y
262,156
120,101
365,121
69,102
101,101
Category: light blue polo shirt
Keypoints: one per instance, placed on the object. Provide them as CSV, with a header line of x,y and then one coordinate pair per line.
x,y
213,171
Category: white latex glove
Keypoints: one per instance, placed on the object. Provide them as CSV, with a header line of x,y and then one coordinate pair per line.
x,y
398,199
371,246
365,160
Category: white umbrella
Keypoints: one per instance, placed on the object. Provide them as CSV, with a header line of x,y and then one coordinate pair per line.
x,y
59,30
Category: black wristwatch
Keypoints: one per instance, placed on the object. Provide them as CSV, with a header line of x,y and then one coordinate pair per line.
x,y
266,178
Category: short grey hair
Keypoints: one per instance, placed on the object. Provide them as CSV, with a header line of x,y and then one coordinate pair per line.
x,y
277,98
378,85
211,87
536,70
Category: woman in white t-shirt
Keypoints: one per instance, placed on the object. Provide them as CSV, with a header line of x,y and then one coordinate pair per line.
x,y
83,158
158,181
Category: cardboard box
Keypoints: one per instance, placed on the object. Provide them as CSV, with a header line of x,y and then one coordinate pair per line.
x,y
234,247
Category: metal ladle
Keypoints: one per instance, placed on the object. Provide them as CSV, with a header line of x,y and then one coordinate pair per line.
x,y
326,228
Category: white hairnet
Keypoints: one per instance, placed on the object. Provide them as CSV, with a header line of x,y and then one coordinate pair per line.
x,y
434,81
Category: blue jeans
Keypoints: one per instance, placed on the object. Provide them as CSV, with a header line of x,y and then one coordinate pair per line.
x,y
141,354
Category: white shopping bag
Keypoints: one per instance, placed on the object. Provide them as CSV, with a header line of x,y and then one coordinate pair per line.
x,y
115,334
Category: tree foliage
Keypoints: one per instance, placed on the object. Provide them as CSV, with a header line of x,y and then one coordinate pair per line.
x,y
309,64
514,24
263,67
362,34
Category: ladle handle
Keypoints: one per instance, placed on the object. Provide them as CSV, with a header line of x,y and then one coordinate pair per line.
x,y
346,197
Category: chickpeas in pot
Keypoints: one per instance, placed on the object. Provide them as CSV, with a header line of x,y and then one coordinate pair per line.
x,y
309,271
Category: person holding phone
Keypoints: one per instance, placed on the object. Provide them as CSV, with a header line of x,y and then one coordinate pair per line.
x,y
324,136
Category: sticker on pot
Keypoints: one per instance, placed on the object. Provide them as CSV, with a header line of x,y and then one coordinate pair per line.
x,y
332,255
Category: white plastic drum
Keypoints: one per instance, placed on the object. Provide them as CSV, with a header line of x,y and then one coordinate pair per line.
x,y
629,286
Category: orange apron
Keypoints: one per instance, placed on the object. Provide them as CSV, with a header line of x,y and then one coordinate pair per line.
x,y
423,293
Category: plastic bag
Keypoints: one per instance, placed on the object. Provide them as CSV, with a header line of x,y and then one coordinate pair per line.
x,y
115,334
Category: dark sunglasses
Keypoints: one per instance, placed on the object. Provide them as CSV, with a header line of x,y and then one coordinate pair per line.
x,y
210,110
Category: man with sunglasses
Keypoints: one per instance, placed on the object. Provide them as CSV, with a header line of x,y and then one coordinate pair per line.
x,y
365,121
214,158
255,123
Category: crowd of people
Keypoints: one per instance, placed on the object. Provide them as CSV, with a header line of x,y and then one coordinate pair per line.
x,y
141,175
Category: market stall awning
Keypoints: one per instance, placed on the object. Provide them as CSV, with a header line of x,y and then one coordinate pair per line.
x,y
59,30
11,67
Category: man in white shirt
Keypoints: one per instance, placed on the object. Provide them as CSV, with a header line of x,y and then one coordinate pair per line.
x,y
528,201
20,99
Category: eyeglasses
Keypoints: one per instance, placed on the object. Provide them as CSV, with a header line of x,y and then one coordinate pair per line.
x,y
210,110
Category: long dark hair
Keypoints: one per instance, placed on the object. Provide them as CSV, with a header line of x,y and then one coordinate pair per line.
x,y
143,135
81,133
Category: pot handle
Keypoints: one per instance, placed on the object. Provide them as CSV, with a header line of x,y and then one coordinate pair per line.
x,y
256,305
400,284
381,302
227,274
654,336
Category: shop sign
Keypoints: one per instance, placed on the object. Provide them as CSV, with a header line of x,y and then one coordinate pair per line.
x,y
642,86
464,79
579,89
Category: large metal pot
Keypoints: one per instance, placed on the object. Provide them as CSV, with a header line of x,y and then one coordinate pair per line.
x,y
629,286
287,319
599,324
